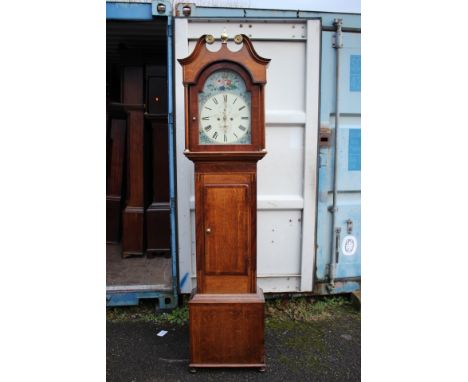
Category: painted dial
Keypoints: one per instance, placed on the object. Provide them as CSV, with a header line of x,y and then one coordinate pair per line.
x,y
225,118
224,110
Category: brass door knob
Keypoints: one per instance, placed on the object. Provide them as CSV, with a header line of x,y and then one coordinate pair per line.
x,y
208,230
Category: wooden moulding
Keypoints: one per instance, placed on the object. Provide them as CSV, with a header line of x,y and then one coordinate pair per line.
x,y
225,156
227,330
201,57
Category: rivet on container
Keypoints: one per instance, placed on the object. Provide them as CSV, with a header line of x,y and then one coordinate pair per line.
x,y
161,8
186,10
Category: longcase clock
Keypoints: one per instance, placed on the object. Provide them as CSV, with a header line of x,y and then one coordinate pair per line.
x,y
225,137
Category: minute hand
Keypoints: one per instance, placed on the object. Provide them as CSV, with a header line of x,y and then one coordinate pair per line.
x,y
225,125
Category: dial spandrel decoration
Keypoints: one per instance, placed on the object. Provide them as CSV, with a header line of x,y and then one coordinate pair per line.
x,y
224,110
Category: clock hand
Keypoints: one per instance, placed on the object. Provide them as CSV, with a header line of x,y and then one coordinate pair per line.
x,y
225,126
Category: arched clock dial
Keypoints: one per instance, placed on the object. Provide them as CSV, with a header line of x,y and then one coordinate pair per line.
x,y
225,118
224,110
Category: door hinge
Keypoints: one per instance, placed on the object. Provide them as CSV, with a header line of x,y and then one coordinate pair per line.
x,y
338,36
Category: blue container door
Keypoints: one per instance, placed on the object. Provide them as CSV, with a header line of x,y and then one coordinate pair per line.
x,y
348,215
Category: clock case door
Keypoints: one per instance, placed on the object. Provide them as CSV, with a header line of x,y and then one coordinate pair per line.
x,y
226,226
257,123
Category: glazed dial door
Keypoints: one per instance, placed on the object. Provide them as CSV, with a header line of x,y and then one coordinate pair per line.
x,y
224,110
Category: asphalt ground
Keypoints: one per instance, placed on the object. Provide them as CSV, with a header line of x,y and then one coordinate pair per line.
x,y
300,345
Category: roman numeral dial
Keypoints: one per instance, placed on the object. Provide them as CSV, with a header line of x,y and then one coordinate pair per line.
x,y
225,118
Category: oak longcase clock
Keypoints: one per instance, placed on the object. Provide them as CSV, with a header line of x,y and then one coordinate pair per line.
x,y
225,137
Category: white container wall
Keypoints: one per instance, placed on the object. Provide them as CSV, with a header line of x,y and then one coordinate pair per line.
x,y
287,179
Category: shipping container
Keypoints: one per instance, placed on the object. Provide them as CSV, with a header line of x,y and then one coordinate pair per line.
x,y
141,221
308,220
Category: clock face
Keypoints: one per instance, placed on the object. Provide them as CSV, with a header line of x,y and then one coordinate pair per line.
x,y
224,110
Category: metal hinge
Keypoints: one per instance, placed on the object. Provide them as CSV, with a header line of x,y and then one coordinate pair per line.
x,y
338,36
325,137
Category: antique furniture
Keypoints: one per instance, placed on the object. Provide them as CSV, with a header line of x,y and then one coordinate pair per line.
x,y
133,215
117,125
225,137
157,163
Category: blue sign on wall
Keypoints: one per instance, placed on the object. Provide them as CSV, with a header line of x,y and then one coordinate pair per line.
x,y
355,73
354,150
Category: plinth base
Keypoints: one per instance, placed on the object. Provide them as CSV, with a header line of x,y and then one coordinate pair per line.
x,y
112,218
227,330
132,232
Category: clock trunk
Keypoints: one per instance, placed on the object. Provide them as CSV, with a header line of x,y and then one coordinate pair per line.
x,y
226,226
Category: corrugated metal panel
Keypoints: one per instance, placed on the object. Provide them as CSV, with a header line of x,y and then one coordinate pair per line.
x,y
287,175
349,157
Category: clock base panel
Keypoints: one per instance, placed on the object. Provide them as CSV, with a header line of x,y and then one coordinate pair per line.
x,y
227,330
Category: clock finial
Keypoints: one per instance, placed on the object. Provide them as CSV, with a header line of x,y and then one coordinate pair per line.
x,y
224,37
238,38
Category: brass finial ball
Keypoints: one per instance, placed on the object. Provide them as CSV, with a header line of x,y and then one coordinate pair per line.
x,y
238,39
224,37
